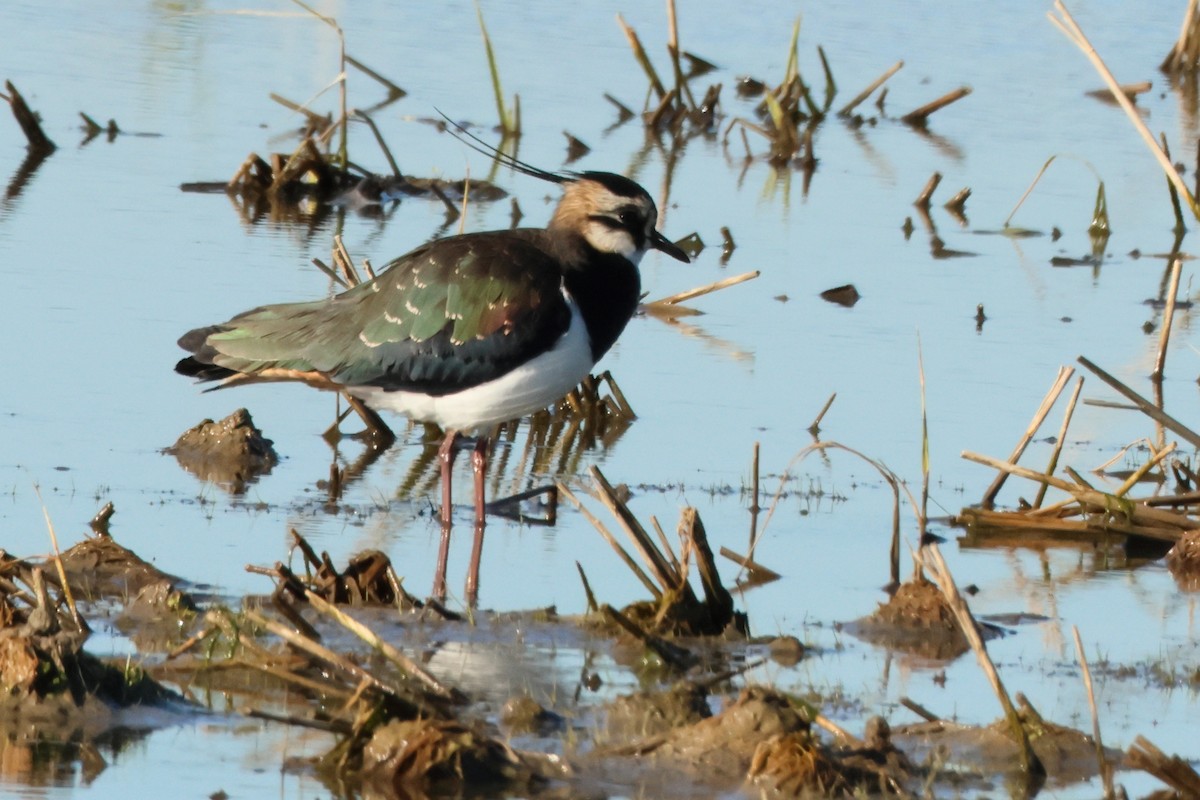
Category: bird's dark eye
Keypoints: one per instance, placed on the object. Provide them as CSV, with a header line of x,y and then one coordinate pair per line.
x,y
628,217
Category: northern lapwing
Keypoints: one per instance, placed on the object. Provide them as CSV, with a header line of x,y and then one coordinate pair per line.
x,y
464,332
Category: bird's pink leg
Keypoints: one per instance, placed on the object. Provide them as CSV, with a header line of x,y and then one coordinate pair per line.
x,y
479,459
446,456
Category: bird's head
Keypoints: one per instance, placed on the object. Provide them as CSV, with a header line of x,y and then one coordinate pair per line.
x,y
613,214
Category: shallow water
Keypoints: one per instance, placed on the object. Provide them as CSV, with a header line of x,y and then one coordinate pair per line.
x,y
104,262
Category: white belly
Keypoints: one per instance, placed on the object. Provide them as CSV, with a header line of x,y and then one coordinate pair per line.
x,y
530,387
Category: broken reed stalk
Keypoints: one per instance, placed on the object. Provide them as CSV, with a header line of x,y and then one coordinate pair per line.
x,y
1058,443
830,84
658,566
816,423
1064,375
1143,520
38,142
1185,52
758,572
58,562
673,655
1141,471
1066,23
323,653
1168,317
700,291
1101,761
398,659
1176,208
1144,405
932,559
848,109
931,185
387,152
394,91
681,87
919,116
622,553
639,53
1171,770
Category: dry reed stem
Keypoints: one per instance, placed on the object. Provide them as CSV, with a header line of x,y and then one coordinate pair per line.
x,y
1141,471
681,86
865,93
335,660
919,116
935,564
1186,50
1102,762
1064,375
401,661
816,423
671,654
639,53
1058,443
58,562
930,187
622,553
393,89
1171,770
757,570
666,548
387,152
658,565
1168,318
1144,520
1072,31
700,291
1144,405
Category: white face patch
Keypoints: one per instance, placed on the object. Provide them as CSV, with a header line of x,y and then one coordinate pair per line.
x,y
607,239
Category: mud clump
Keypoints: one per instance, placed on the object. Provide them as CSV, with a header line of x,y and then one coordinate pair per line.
x,y
523,714
231,452
916,619
653,713
1183,561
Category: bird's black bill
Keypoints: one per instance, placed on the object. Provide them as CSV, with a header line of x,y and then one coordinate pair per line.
x,y
660,242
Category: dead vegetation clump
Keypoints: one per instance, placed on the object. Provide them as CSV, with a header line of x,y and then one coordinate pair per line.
x,y
45,675
675,609
410,757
